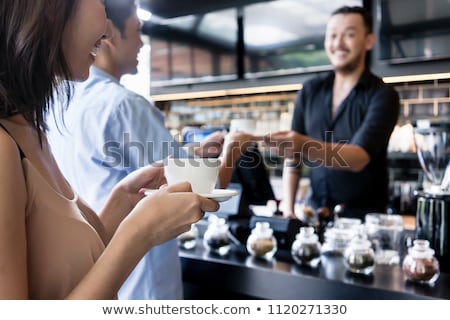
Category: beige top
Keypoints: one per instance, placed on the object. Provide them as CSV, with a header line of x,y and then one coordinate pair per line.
x,y
62,245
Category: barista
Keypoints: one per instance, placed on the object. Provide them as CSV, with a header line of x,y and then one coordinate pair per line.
x,y
341,126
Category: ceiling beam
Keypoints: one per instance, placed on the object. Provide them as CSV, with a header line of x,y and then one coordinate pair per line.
x,y
178,8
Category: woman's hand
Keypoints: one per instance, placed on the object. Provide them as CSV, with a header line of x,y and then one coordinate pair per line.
x,y
148,177
165,214
127,193
154,220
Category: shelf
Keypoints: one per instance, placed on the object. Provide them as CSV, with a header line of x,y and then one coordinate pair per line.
x,y
226,93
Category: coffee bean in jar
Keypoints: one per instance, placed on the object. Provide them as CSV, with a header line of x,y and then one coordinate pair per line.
x,y
188,239
261,246
216,238
359,256
420,265
215,243
305,250
261,243
360,262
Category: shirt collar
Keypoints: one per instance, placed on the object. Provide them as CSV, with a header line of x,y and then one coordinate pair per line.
x,y
364,80
97,72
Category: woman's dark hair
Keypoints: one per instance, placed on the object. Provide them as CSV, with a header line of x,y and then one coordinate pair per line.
x,y
32,60
118,11
365,14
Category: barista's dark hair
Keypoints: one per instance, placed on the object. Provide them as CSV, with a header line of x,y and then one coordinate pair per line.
x,y
118,11
31,56
365,14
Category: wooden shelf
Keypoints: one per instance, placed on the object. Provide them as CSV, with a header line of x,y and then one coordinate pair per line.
x,y
226,92
214,102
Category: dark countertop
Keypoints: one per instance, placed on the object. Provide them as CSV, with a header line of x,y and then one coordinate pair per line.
x,y
240,276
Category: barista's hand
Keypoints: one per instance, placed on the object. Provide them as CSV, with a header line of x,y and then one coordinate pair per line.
x,y
286,144
211,146
237,143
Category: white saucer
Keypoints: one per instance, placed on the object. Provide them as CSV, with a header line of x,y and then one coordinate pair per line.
x,y
149,192
218,195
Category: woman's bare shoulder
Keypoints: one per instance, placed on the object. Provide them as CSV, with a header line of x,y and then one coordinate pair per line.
x,y
9,149
13,200
11,171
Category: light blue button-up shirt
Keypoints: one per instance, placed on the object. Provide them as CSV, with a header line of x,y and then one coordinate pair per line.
x,y
108,132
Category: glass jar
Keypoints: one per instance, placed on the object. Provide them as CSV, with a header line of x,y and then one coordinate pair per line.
x,y
188,239
359,256
305,249
420,264
385,232
261,243
216,238
348,223
336,241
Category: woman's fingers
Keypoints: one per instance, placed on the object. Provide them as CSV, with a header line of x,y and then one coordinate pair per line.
x,y
205,203
208,205
179,187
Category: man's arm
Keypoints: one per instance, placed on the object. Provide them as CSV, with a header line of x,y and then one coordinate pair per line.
x,y
318,153
237,143
211,146
292,173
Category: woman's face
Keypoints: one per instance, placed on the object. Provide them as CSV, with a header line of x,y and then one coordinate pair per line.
x,y
82,36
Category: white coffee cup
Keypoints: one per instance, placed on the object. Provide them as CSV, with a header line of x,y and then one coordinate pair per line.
x,y
243,125
201,173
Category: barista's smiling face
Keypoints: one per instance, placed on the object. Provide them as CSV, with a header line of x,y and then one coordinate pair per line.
x,y
347,41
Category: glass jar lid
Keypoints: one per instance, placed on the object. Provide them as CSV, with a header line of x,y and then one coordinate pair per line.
x,y
217,224
338,234
360,242
347,223
262,230
307,235
421,249
383,220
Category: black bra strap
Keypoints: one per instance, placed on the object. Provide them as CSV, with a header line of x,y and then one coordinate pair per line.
x,y
22,155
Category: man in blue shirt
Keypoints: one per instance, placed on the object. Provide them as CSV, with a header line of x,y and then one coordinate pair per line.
x,y
341,126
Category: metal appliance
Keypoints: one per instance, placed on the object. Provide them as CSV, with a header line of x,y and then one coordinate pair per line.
x,y
433,202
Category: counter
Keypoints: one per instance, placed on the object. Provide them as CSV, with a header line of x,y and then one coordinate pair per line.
x,y
239,276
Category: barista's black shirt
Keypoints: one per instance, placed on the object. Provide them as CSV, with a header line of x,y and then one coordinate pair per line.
x,y
366,118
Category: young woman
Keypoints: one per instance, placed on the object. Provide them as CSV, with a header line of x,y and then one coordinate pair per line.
x,y
52,246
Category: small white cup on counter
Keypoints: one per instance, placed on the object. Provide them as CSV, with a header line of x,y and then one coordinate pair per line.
x,y
243,125
201,173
